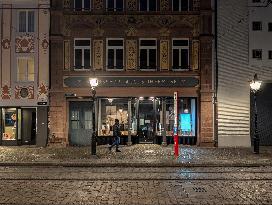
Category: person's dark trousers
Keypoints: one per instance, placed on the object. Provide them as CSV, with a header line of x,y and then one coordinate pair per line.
x,y
115,143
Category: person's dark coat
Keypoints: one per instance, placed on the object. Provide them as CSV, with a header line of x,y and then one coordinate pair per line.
x,y
116,130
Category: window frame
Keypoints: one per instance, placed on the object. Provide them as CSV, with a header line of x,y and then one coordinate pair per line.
x,y
179,10
114,48
27,24
261,26
270,55
269,26
256,58
180,48
82,58
147,6
114,9
26,74
148,47
82,7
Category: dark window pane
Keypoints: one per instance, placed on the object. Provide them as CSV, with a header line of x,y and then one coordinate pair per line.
x,y
148,42
180,43
110,5
191,5
184,5
143,58
143,5
175,58
22,21
31,21
87,58
82,43
110,58
257,53
184,58
119,5
152,5
152,58
115,43
87,4
78,5
78,58
269,26
119,58
269,54
176,5
257,26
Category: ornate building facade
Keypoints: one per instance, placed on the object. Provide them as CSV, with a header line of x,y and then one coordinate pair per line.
x,y
141,52
24,76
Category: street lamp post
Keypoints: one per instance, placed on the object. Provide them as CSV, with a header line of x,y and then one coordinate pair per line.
x,y
94,84
255,85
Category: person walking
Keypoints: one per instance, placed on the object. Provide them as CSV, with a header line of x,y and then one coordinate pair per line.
x,y
116,134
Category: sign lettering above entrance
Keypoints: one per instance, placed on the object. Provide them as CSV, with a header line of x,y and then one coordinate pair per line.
x,y
129,81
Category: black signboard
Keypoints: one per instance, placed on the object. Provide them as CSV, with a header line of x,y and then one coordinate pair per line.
x,y
129,81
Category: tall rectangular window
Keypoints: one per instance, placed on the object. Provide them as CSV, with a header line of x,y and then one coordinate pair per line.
x,y
257,54
82,5
180,5
26,21
115,5
148,5
256,25
25,69
180,54
148,54
115,54
270,55
82,53
269,26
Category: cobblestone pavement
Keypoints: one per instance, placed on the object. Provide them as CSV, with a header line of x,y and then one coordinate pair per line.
x,y
140,153
143,186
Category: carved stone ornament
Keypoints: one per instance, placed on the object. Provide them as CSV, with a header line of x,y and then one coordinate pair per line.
x,y
164,5
131,31
98,4
195,55
131,5
98,32
67,4
67,54
5,44
42,92
98,54
164,54
164,32
24,44
131,53
6,92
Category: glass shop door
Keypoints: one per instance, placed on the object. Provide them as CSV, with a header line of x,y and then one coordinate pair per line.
x,y
146,131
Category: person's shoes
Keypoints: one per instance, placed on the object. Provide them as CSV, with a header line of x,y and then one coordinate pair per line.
x,y
109,148
118,150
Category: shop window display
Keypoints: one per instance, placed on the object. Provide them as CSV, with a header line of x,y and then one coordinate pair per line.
x,y
110,110
186,117
9,123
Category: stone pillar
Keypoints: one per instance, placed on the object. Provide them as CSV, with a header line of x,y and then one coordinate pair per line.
x,y
129,122
57,119
206,106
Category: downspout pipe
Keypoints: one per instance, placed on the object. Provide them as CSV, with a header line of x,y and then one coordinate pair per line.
x,y
215,76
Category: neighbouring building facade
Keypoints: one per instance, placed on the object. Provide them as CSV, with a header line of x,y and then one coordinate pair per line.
x,y
141,52
24,76
244,48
